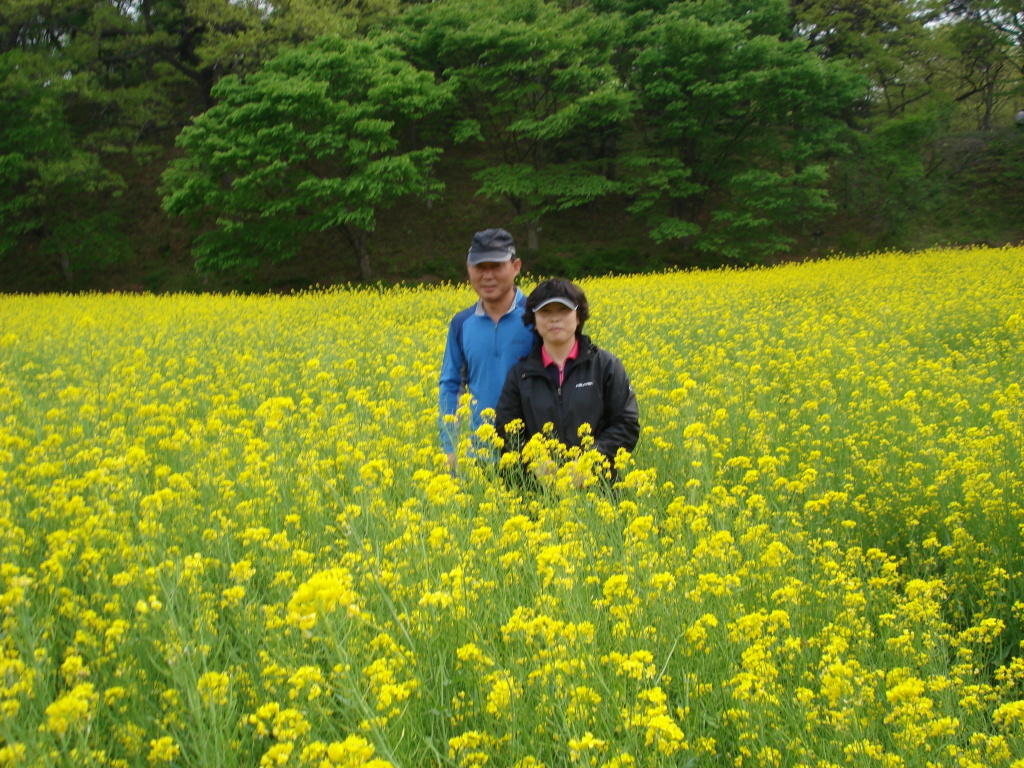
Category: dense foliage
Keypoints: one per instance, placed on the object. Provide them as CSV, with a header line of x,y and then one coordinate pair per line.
x,y
717,130
306,144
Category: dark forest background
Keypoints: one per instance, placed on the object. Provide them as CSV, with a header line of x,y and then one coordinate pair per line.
x,y
211,145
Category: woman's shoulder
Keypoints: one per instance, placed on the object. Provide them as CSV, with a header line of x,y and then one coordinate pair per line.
x,y
595,351
523,364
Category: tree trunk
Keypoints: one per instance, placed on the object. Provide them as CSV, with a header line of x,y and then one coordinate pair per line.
x,y
363,256
533,235
65,268
357,239
990,93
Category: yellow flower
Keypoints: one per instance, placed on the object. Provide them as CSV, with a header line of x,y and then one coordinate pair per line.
x,y
1009,714
278,754
242,571
320,595
71,710
308,678
12,754
213,688
504,690
163,750
637,665
73,668
586,743
354,752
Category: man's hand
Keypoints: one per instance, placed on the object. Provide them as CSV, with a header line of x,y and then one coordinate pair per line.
x,y
577,472
543,469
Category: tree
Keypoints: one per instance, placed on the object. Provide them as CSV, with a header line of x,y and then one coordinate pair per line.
x,y
1003,18
536,87
52,190
989,34
174,50
63,126
940,76
979,76
736,129
94,82
306,145
888,40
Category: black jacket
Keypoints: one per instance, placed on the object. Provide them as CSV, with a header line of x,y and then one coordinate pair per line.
x,y
595,391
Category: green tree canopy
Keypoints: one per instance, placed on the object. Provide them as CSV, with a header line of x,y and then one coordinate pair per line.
x,y
92,82
737,129
53,191
536,86
309,144
1003,18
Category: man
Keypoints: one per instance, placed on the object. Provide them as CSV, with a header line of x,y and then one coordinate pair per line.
x,y
486,339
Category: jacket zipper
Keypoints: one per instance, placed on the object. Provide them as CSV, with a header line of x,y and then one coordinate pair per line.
x,y
558,391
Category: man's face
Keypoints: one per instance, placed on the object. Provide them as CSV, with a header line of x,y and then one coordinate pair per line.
x,y
494,280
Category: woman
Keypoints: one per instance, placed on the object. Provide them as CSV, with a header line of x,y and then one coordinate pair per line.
x,y
566,380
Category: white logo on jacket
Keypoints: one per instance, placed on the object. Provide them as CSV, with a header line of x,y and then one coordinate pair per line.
x,y
585,384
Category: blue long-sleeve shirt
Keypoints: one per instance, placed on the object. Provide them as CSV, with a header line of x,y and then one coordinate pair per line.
x,y
478,356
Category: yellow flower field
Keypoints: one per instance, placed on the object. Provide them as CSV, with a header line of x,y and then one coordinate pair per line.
x,y
229,537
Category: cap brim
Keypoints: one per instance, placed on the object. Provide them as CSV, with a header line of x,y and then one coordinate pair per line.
x,y
485,256
556,300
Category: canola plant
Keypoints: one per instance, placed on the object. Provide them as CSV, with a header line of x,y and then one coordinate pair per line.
x,y
228,536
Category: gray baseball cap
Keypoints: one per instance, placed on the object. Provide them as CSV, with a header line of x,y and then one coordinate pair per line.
x,y
557,300
491,245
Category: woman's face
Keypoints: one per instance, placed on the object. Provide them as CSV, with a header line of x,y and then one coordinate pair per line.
x,y
556,323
